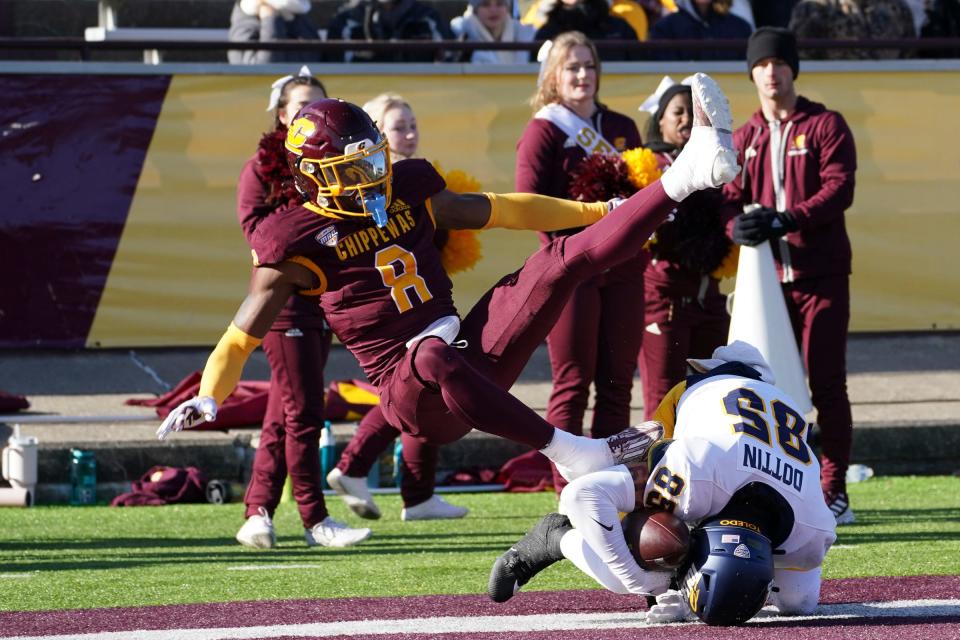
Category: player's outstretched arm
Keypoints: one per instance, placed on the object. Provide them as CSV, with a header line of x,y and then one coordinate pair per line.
x,y
269,289
593,502
526,211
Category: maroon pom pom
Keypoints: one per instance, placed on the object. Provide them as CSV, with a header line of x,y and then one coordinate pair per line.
x,y
273,170
600,177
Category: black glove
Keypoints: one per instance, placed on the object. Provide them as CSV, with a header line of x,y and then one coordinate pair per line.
x,y
762,224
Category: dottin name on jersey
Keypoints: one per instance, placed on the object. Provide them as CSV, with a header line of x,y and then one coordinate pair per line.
x,y
770,464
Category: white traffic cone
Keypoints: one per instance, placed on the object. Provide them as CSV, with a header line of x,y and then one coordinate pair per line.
x,y
759,317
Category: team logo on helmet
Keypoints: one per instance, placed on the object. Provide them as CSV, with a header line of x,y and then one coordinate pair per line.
x,y
340,162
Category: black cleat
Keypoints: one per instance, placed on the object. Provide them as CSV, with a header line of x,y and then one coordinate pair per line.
x,y
533,553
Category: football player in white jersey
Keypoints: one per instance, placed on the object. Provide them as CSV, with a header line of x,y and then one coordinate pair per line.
x,y
737,470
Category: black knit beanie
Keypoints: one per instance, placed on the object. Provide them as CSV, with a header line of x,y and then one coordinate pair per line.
x,y
772,42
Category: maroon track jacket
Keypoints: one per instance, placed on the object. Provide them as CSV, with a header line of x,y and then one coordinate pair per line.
x,y
819,160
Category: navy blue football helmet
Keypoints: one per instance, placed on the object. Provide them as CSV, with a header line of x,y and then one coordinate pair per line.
x,y
729,571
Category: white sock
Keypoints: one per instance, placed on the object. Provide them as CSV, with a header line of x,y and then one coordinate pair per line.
x,y
576,550
577,455
707,160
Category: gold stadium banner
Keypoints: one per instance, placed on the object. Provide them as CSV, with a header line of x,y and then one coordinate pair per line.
x,y
181,265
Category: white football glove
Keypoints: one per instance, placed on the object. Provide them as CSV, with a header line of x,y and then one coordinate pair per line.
x,y
671,607
188,414
613,203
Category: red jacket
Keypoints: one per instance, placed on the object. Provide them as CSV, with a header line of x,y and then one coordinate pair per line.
x,y
819,158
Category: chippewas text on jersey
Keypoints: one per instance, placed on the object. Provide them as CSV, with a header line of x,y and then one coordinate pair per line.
x,y
373,237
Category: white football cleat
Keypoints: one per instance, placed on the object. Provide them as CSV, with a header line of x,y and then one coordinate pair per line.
x,y
436,508
333,533
257,532
708,159
839,505
355,494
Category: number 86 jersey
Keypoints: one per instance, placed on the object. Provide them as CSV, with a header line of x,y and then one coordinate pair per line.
x,y
731,431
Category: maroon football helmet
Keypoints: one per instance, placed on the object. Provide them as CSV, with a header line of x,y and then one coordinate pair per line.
x,y
340,161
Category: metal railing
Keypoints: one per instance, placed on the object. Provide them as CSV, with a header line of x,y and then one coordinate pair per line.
x,y
641,50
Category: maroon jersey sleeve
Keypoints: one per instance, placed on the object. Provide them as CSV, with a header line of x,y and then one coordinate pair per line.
x,y
414,182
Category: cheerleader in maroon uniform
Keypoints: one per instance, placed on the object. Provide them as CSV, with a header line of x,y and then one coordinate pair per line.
x,y
597,337
296,347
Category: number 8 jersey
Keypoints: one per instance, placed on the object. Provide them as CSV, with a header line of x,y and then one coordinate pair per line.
x,y
731,431
378,287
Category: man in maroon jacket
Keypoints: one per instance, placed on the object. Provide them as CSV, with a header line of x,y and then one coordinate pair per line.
x,y
799,161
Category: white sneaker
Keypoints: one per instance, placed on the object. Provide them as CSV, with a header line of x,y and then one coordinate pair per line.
x,y
257,532
355,494
333,533
708,159
436,508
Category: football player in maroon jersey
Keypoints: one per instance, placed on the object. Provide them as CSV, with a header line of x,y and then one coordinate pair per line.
x,y
363,243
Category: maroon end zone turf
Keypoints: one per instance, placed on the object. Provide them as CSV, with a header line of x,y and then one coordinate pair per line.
x,y
289,612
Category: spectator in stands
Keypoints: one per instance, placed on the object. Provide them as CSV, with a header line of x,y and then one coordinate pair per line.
x,y
637,13
772,14
597,336
296,348
386,20
593,19
701,20
799,161
852,20
942,21
268,20
395,118
492,21
686,315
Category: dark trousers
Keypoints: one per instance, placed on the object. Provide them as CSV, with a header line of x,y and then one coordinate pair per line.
x,y
596,340
373,437
678,328
290,438
820,312
439,392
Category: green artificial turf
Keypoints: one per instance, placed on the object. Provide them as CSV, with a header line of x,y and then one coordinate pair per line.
x,y
61,557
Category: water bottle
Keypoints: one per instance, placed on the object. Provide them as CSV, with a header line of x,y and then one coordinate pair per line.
x,y
397,462
83,477
373,477
328,452
858,473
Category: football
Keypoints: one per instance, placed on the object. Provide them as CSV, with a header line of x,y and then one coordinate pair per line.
x,y
658,540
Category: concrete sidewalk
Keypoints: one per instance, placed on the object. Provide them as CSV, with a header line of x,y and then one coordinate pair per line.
x,y
905,391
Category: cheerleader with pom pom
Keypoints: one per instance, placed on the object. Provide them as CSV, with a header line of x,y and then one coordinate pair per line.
x,y
685,314
597,337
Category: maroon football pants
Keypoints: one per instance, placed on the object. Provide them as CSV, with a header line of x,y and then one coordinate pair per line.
x,y
678,328
438,392
290,437
373,437
596,340
820,312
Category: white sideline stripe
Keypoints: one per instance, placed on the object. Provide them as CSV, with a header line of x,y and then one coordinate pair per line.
x,y
274,567
488,624
14,576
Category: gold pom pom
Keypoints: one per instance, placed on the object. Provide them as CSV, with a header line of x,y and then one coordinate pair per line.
x,y
642,166
728,268
462,249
